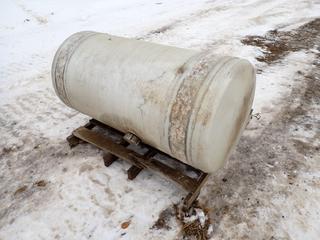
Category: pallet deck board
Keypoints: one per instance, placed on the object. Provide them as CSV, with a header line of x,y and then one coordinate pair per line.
x,y
118,150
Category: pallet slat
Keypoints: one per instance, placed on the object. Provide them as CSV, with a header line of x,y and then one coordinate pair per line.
x,y
118,149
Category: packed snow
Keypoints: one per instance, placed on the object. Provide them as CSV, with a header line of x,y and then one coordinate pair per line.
x,y
270,187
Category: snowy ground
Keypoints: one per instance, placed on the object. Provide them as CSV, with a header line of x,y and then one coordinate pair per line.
x,y
269,189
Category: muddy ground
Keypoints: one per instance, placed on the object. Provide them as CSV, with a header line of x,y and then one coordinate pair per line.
x,y
276,156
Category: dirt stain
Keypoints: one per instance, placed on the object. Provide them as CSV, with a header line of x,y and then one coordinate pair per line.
x,y
96,181
191,226
163,220
85,168
125,224
20,190
162,29
41,183
181,70
278,44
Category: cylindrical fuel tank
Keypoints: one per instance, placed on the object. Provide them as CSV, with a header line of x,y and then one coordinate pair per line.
x,y
189,104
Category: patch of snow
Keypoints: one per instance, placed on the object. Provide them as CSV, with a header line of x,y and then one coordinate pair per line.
x,y
85,200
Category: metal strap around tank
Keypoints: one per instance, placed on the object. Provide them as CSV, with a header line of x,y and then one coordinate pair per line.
x,y
61,60
182,107
220,63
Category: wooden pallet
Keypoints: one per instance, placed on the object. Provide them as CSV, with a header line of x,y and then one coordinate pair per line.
x,y
118,149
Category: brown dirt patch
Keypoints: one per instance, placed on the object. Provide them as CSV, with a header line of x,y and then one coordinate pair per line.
x,y
194,224
41,183
162,29
246,185
164,219
277,44
20,190
126,224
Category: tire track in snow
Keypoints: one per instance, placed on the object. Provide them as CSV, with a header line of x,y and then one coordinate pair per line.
x,y
26,66
31,114
27,153
210,12
34,15
227,22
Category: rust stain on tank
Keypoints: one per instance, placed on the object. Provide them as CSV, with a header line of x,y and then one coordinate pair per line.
x,y
149,94
182,107
204,118
149,91
63,56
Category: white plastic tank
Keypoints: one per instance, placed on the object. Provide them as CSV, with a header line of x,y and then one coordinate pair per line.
x,y
189,104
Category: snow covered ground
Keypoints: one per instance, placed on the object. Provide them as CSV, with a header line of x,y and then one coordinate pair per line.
x,y
269,189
